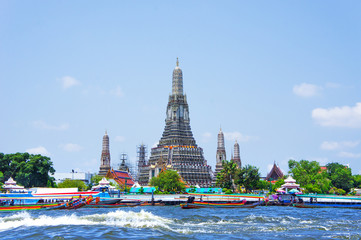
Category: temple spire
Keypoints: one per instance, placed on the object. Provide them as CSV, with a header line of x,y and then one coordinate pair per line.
x,y
177,82
105,157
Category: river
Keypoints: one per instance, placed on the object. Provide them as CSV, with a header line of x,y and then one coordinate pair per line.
x,y
172,222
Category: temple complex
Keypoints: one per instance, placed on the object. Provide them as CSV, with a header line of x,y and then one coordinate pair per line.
x,y
105,158
237,156
177,149
220,155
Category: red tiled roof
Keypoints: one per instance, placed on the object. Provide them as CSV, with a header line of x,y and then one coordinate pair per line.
x,y
121,177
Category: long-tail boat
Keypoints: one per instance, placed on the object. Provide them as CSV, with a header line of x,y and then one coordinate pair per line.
x,y
116,205
224,204
197,204
78,203
326,205
27,207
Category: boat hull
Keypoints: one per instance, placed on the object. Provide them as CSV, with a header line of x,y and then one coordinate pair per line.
x,y
324,205
217,205
27,207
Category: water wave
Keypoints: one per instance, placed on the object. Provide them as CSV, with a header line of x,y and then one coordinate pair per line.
x,y
158,222
117,218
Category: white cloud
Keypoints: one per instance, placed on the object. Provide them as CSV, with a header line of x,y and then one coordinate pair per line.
x,y
338,116
118,92
119,139
38,150
68,82
71,147
206,137
349,155
326,145
306,90
322,160
91,165
332,85
44,125
155,144
232,136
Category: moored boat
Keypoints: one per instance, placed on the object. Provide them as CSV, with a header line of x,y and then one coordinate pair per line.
x,y
27,207
116,205
217,205
326,205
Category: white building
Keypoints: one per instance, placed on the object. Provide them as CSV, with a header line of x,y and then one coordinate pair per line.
x,y
85,177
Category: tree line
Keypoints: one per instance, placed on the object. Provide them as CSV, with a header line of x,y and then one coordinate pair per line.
x,y
28,170
31,170
334,178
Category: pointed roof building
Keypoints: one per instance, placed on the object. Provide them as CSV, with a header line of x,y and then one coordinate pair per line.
x,y
275,173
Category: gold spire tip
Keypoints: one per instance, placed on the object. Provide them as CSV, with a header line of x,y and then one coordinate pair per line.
x,y
177,62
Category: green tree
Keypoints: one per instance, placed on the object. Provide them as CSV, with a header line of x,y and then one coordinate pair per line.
x,y
96,179
357,181
248,176
278,184
262,185
226,175
168,181
27,169
341,176
309,175
69,183
1,179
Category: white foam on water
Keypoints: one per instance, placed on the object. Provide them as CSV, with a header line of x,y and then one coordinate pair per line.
x,y
118,218
121,218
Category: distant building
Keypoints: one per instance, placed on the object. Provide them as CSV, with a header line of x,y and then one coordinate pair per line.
x,y
123,178
177,149
143,168
85,177
220,155
123,166
105,158
237,156
275,173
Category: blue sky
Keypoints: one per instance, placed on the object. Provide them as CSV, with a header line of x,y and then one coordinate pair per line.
x,y
281,77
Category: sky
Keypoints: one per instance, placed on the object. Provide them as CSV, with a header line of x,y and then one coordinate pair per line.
x,y
283,78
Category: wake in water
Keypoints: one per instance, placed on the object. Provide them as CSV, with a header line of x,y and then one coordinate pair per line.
x,y
265,223
118,218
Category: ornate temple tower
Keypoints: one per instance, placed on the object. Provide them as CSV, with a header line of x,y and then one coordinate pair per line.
x,y
143,168
221,154
177,148
105,158
237,156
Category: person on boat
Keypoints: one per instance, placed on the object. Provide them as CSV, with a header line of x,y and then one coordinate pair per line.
x,y
311,200
12,202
